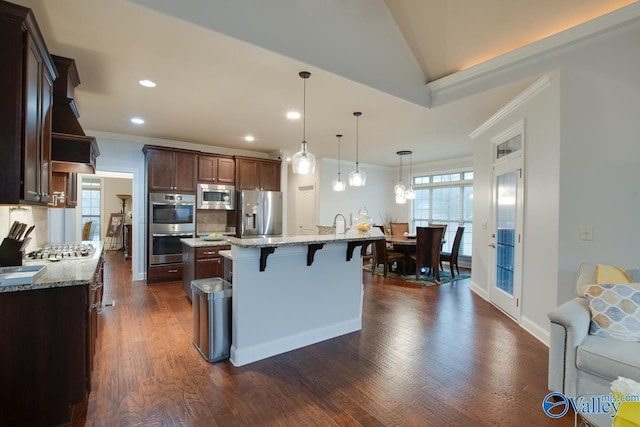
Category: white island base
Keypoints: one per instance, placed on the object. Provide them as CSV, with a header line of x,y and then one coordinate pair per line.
x,y
290,305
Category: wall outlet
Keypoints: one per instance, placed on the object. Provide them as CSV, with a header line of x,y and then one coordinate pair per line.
x,y
586,233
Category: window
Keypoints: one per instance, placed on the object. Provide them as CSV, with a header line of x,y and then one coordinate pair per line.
x,y
445,199
90,199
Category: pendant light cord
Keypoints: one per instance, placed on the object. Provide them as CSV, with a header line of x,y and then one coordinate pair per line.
x,y
339,136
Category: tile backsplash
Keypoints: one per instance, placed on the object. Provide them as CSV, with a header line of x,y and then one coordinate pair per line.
x,y
208,221
38,216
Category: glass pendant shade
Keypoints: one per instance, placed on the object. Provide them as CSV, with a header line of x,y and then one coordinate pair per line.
x,y
303,162
357,178
399,189
338,185
410,194
401,199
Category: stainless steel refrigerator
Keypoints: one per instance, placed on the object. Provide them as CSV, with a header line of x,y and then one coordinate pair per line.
x,y
259,213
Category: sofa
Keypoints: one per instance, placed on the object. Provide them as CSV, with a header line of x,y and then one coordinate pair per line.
x,y
582,359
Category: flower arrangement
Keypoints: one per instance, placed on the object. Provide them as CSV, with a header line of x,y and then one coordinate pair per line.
x,y
627,393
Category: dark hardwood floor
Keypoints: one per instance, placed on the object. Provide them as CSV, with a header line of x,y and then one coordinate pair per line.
x,y
436,356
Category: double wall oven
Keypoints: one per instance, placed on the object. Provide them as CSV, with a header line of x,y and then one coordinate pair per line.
x,y
171,217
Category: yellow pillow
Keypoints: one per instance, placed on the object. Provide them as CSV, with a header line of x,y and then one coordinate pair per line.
x,y
609,274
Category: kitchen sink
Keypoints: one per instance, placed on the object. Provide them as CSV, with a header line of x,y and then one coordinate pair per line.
x,y
20,274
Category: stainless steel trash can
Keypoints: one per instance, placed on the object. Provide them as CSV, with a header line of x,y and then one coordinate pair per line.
x,y
212,317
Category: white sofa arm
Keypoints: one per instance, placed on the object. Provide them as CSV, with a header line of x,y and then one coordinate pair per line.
x,y
569,327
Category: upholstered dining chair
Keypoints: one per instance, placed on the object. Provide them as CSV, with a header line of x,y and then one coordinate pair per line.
x,y
428,245
385,256
399,228
452,257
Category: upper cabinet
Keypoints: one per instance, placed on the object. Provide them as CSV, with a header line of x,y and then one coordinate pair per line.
x,y
170,170
216,170
27,74
258,174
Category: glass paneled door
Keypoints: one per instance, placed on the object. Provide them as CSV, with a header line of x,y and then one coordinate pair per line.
x,y
507,236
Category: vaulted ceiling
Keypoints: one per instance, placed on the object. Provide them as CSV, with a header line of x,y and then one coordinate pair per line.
x,y
226,69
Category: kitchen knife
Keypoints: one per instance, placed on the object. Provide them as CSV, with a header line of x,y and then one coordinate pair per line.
x,y
23,227
13,229
29,230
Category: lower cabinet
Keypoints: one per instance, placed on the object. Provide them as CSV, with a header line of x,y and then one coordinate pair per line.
x,y
164,273
201,263
48,344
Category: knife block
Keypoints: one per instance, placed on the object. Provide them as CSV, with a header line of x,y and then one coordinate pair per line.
x,y
10,253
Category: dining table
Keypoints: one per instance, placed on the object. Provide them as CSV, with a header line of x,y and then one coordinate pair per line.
x,y
405,245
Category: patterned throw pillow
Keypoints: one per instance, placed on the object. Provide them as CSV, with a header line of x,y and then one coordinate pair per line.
x,y
615,311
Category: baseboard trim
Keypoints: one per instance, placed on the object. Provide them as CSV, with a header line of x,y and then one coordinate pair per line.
x,y
540,333
279,346
478,290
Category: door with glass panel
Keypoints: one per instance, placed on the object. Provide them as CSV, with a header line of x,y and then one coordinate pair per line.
x,y
506,278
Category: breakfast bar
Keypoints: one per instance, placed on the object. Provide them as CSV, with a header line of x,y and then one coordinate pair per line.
x,y
290,292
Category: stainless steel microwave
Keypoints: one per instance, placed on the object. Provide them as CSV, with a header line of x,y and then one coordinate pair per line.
x,y
215,196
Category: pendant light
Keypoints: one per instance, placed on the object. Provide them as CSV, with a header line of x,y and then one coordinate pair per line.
x,y
303,162
357,178
400,189
410,194
338,184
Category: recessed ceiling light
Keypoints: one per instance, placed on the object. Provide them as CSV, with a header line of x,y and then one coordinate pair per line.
x,y
288,159
137,120
147,83
249,138
293,115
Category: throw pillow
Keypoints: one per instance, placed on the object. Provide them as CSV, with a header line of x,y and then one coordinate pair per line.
x,y
615,311
608,274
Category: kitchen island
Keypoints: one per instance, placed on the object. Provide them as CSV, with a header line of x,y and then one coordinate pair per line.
x,y
290,292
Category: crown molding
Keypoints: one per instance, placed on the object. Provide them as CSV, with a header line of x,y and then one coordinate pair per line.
x,y
588,32
537,87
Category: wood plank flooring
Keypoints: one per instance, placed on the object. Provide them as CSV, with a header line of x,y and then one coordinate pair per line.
x,y
437,356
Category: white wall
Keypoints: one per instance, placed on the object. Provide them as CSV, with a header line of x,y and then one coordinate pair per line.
x,y
377,195
582,169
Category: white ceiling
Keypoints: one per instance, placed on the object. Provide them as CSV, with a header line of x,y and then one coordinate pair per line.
x,y
226,69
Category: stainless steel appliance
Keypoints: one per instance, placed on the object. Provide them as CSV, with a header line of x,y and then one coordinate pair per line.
x,y
166,248
172,213
216,196
171,218
259,213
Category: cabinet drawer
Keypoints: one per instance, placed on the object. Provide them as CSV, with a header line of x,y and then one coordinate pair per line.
x,y
164,273
210,251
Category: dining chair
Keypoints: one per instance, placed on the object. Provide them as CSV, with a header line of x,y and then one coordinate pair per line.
x,y
86,230
399,228
452,257
385,256
428,245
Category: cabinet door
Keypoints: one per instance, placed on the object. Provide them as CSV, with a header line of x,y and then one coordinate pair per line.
x,y
226,170
248,177
210,267
185,172
72,190
32,123
159,174
207,169
270,176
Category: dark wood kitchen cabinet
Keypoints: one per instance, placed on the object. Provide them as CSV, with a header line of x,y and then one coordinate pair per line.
x,y
201,263
170,170
49,340
63,182
27,74
258,174
216,170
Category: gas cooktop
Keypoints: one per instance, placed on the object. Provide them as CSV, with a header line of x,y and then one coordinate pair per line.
x,y
57,252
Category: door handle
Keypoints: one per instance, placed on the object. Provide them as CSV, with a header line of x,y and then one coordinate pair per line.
x,y
492,245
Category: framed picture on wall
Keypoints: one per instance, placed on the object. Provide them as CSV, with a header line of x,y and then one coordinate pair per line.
x,y
115,225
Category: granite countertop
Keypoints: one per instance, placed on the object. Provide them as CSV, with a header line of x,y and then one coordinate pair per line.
x,y
350,236
198,242
226,253
71,272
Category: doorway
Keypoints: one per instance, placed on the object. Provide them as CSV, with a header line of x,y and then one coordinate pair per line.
x,y
306,209
507,227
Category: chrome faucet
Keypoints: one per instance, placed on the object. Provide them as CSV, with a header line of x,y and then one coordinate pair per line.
x,y
344,222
